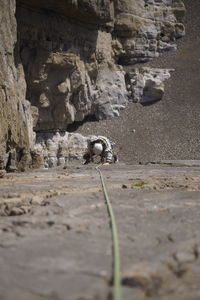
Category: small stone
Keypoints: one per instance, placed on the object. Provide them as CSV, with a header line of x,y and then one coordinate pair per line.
x,y
184,257
124,186
50,223
16,211
3,210
36,200
2,173
12,195
68,227
25,208
11,169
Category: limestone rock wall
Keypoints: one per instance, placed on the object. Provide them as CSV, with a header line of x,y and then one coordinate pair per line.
x,y
16,125
74,62
75,58
143,29
70,69
56,149
146,85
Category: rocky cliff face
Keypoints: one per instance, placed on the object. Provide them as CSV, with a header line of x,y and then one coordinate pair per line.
x,y
78,58
16,125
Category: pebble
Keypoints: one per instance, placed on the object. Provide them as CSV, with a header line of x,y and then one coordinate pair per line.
x,y
12,195
184,257
37,200
124,186
16,211
26,208
2,173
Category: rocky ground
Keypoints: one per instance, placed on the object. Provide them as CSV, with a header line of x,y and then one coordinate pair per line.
x,y
55,238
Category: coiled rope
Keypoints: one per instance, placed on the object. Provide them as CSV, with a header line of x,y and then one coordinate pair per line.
x,y
116,250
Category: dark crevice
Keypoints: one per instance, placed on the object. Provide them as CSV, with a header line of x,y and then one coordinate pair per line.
x,y
74,126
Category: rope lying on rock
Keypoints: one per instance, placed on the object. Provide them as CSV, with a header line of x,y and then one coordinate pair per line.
x,y
116,250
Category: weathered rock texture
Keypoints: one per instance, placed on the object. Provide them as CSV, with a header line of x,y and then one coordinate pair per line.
x,y
56,242
57,149
147,84
75,54
72,67
16,126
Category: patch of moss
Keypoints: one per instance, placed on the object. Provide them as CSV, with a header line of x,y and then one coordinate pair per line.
x,y
139,184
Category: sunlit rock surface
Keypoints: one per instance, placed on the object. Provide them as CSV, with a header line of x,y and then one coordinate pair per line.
x,y
16,122
69,61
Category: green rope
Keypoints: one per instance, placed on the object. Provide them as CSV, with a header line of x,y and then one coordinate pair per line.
x,y
116,251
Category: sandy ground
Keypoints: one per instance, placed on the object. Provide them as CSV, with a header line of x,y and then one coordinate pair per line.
x,y
55,238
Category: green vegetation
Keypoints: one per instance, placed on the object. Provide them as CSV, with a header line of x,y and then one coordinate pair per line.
x,y
139,184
